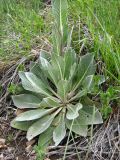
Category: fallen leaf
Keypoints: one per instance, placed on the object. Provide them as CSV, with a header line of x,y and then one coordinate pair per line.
x,y
30,143
1,157
19,111
11,149
28,148
2,143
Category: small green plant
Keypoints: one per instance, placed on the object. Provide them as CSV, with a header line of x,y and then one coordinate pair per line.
x,y
106,98
57,88
15,89
40,152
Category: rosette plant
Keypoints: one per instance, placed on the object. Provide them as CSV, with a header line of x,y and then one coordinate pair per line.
x,y
57,88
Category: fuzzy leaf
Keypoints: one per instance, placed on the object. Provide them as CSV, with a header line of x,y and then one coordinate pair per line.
x,y
70,59
93,116
60,13
50,102
44,63
88,83
45,137
86,68
49,70
75,126
26,101
33,114
37,70
45,54
21,125
59,132
59,8
72,71
63,88
79,94
32,83
86,65
69,39
58,65
41,125
73,110
89,116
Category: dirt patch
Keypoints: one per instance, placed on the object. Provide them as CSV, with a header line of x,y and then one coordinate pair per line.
x,y
14,147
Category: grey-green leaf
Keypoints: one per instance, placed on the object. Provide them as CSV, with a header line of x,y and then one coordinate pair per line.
x,y
33,114
63,88
86,118
59,8
45,137
45,54
86,67
36,69
70,63
26,101
75,126
79,94
73,111
50,102
21,125
88,83
93,116
59,132
40,126
32,83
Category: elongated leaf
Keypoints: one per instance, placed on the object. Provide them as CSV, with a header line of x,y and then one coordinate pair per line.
x,y
59,132
33,114
69,40
59,8
37,70
86,68
57,41
79,94
70,59
45,137
57,119
49,70
93,116
63,88
58,65
86,65
45,54
72,71
73,111
88,83
76,127
86,118
41,125
32,83
26,101
44,62
21,125
50,102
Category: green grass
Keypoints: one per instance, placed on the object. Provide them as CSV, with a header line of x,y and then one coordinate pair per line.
x,y
21,22
102,19
104,25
